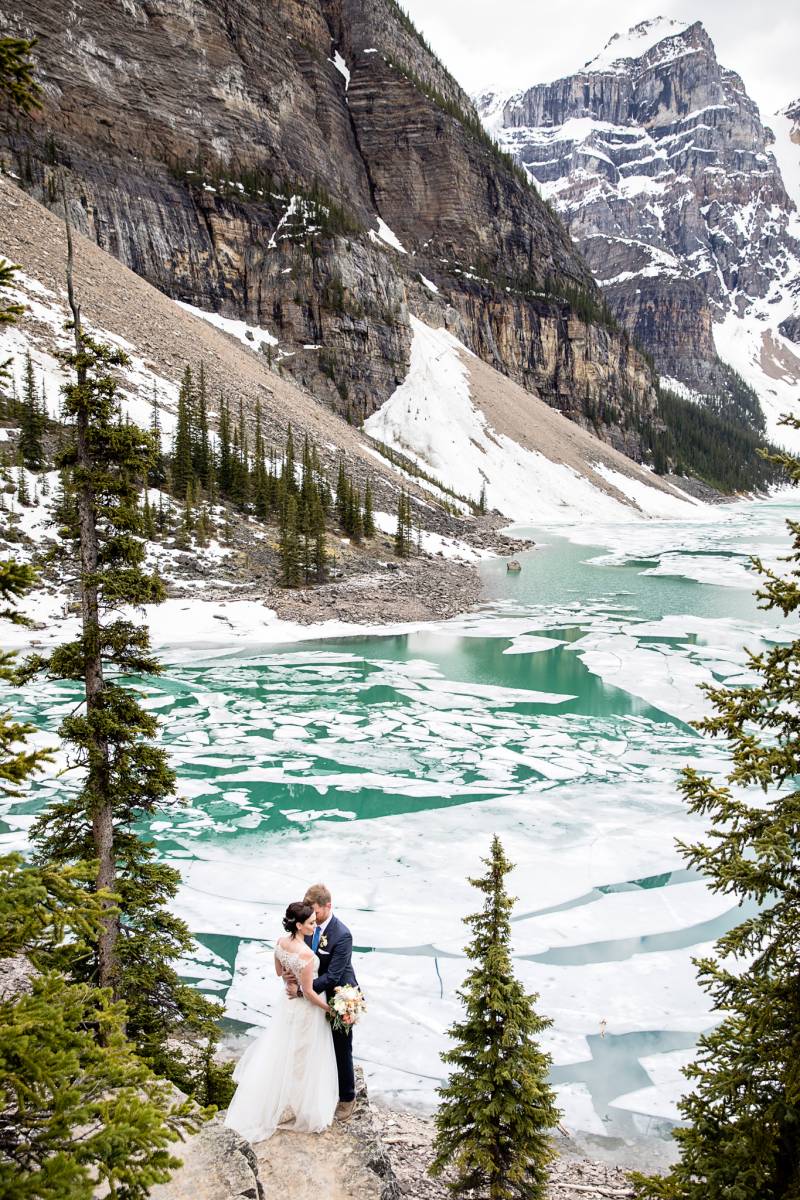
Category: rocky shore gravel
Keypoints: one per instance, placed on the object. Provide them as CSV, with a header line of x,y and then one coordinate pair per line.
x,y
407,1139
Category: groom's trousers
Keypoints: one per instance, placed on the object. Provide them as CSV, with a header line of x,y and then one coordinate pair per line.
x,y
343,1048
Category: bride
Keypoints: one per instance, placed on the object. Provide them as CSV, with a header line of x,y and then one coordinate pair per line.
x,y
287,1077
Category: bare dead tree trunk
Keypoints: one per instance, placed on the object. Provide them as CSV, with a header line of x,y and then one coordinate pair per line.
x,y
98,782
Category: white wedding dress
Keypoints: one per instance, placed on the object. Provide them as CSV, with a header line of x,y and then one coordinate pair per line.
x,y
287,1078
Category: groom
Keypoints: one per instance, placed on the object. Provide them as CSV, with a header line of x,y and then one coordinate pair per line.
x,y
333,942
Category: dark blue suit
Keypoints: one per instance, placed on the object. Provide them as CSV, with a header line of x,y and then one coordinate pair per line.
x,y
336,969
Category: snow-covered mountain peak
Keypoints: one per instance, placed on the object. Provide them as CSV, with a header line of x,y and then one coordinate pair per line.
x,y
638,41
683,203
786,148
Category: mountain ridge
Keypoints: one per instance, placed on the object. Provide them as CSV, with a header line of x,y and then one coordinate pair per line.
x,y
658,161
251,162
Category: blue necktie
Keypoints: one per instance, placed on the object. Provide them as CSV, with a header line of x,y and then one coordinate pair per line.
x,y
315,939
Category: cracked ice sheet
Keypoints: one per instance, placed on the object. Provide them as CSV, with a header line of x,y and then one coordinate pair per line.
x,y
621,915
668,677
660,676
407,872
669,1085
739,530
412,1002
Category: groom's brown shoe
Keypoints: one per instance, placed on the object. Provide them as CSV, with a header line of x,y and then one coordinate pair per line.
x,y
344,1110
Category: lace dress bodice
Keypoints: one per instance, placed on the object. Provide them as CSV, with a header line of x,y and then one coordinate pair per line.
x,y
295,963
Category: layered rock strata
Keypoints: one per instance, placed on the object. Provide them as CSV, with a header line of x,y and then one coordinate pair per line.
x,y
313,169
658,161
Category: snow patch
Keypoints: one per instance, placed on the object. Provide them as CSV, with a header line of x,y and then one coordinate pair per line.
x,y
621,48
431,419
384,234
341,67
252,336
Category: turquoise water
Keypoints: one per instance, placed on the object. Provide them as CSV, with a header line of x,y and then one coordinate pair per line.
x,y
384,764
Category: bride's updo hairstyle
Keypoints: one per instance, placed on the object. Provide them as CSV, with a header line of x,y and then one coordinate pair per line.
x,y
297,914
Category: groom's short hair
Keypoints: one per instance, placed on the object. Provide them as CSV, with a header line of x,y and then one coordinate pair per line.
x,y
317,894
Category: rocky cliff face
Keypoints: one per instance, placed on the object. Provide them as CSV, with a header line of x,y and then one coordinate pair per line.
x,y
657,159
313,168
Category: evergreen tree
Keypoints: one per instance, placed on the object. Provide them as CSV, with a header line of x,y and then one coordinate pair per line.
x,y
497,1108
18,88
225,471
17,763
742,1139
261,489
369,515
241,458
355,525
148,520
8,311
403,538
161,518
157,475
23,494
78,1110
32,421
201,456
68,1100
482,500
126,776
291,567
342,496
288,474
183,472
320,545
18,91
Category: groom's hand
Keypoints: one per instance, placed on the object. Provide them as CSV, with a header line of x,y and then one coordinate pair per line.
x,y
292,987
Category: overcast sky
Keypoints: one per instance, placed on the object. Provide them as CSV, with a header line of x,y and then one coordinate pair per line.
x,y
516,43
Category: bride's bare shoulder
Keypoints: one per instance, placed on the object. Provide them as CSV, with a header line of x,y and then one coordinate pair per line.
x,y
301,952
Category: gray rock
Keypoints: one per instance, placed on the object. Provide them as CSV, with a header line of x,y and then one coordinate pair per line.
x,y
218,1164
179,127
666,181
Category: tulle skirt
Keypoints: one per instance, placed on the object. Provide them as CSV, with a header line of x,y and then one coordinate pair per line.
x,y
287,1076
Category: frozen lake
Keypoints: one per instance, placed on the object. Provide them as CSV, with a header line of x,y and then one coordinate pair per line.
x,y
557,716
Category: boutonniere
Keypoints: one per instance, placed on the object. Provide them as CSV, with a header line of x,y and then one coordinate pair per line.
x,y
323,941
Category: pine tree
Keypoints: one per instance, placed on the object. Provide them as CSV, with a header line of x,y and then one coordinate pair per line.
x,y
72,1091
157,475
16,762
261,489
18,91
148,520
742,1139
22,482
403,538
183,472
355,525
369,515
320,545
8,311
497,1109
225,469
68,1100
202,457
342,496
18,87
288,474
290,544
126,774
32,422
482,500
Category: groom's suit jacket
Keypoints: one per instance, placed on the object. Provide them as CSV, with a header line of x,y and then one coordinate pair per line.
x,y
335,958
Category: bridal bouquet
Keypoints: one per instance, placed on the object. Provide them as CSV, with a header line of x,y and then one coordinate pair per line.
x,y
347,1007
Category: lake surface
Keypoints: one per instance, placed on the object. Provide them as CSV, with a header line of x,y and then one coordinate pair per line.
x,y
557,716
